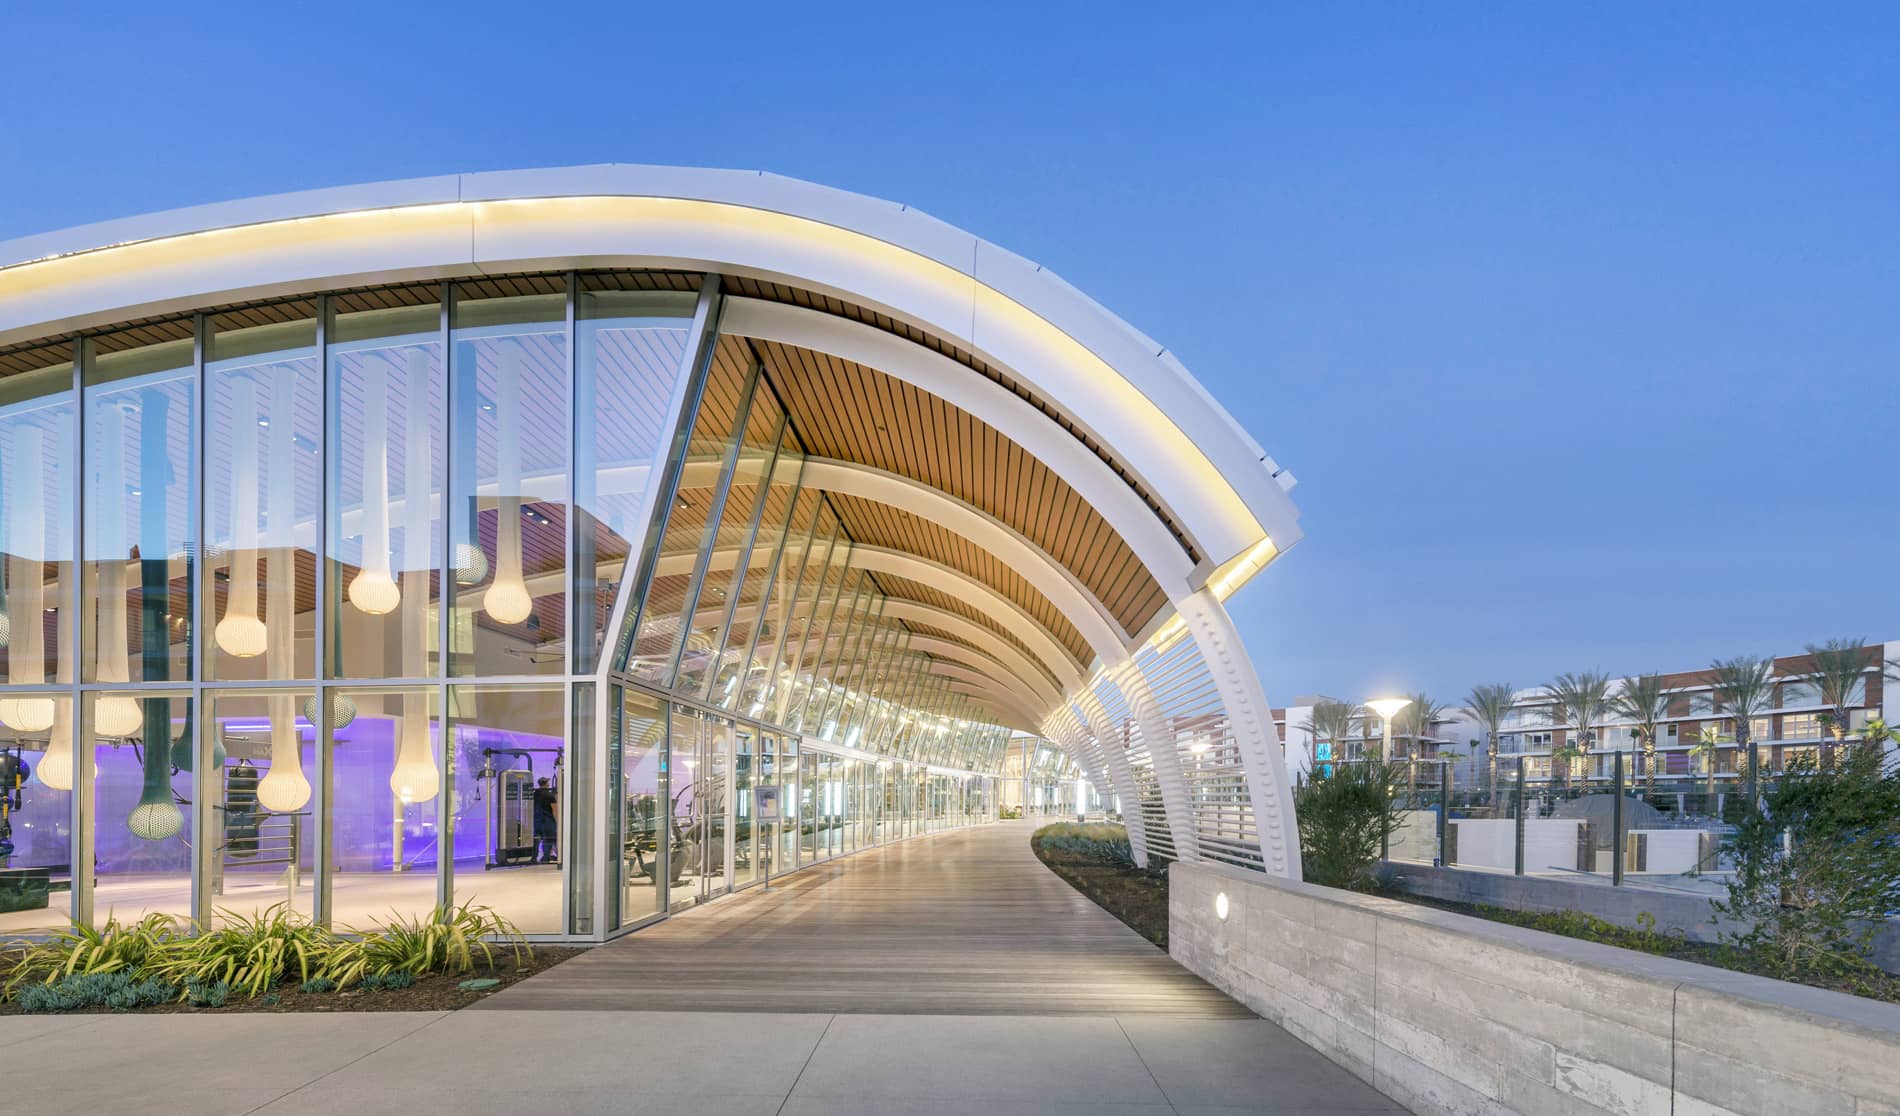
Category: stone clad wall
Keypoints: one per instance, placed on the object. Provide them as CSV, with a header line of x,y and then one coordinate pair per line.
x,y
1450,1014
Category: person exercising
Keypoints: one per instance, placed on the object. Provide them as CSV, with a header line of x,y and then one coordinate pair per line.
x,y
546,824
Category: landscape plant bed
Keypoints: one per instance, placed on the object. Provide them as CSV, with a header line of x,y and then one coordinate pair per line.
x,y
1871,983
431,992
1094,859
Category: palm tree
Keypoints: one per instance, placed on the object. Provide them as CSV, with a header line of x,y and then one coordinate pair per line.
x,y
1564,760
1334,722
1644,701
1708,744
1581,699
1838,667
1490,705
1416,721
1744,686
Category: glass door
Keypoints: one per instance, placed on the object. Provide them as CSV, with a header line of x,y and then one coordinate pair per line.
x,y
716,767
746,756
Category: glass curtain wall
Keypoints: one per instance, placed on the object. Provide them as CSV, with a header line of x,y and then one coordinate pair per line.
x,y
325,589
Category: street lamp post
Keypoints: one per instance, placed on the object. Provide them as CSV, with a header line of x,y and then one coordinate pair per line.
x,y
1387,708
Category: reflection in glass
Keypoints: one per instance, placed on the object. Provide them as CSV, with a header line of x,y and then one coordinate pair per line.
x,y
385,482
630,357
508,799
385,841
142,794
263,836
508,484
138,541
638,769
36,839
262,400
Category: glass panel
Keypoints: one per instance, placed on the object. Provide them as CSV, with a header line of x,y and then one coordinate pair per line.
x,y
263,400
745,854
630,349
809,822
788,802
638,770
732,543
138,542
777,597
759,569
508,484
385,772
816,590
509,789
657,640
36,536
142,795
36,834
262,820
582,845
386,428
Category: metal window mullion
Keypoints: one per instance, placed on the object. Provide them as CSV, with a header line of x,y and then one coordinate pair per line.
x,y
840,622
571,654
906,700
877,703
689,393
715,512
874,659
824,630
858,667
320,865
200,825
790,681
900,677
741,567
445,608
853,628
770,596
80,805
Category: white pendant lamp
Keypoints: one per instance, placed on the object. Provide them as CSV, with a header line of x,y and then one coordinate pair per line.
x,y
113,716
416,775
56,766
374,590
507,599
283,789
26,536
241,633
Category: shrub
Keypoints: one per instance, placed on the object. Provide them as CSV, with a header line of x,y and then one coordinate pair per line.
x,y
120,991
210,995
448,940
389,981
1817,867
318,985
1344,818
250,954
116,947
1093,841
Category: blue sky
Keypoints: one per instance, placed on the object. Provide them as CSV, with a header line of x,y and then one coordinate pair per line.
x,y
1581,328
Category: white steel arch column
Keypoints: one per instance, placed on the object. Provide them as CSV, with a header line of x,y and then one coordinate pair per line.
x,y
1163,752
1068,725
1251,722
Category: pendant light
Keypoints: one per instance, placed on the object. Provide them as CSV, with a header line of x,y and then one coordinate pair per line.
x,y
284,788
373,590
415,776
26,539
507,599
241,633
112,716
56,766
156,817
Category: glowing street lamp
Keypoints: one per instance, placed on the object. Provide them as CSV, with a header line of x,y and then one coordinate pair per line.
x,y
1387,708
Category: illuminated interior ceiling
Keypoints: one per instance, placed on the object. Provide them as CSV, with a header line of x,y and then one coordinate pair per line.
x,y
1105,498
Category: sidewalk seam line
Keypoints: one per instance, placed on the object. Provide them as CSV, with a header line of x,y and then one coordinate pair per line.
x,y
1129,1039
829,1020
339,1069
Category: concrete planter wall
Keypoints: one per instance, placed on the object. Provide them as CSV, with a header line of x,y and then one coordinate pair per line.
x,y
1450,1014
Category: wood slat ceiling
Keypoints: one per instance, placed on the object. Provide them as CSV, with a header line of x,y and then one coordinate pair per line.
x,y
778,292
907,589
853,413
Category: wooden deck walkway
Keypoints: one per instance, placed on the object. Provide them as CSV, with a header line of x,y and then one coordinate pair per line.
x,y
967,922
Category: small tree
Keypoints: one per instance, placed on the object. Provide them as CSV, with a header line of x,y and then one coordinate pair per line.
x,y
1708,745
1345,817
1416,720
1490,705
1334,722
1644,701
1565,759
1817,871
